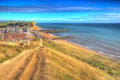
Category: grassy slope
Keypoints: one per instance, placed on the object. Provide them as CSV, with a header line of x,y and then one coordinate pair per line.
x,y
67,62
10,51
63,61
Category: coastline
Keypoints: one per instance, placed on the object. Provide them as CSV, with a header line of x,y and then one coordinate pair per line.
x,y
51,36
49,58
93,51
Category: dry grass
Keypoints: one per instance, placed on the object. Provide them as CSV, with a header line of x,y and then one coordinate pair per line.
x,y
64,67
11,68
8,51
75,63
59,60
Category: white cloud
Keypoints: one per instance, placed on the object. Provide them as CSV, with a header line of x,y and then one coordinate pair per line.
x,y
77,8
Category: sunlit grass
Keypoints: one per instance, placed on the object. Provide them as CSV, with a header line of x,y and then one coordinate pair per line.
x,y
10,51
104,64
64,61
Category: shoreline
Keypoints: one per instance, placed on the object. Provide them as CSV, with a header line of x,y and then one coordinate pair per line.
x,y
51,36
93,51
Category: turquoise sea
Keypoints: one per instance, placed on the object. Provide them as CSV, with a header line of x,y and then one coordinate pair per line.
x,y
101,37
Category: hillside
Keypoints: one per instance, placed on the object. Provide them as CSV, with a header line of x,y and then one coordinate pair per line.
x,y
59,60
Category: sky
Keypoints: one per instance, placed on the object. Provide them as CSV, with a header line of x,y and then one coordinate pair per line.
x,y
76,11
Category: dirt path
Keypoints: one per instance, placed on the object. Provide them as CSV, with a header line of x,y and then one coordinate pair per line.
x,y
10,68
29,65
29,69
35,69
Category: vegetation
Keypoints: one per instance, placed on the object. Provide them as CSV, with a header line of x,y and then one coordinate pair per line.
x,y
59,60
10,51
5,23
104,64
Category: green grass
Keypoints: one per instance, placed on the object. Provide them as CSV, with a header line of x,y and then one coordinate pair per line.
x,y
8,57
5,23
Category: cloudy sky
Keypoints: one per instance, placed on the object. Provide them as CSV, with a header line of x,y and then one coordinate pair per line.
x,y
61,10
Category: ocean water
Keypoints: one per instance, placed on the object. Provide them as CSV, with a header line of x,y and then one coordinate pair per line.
x,y
101,37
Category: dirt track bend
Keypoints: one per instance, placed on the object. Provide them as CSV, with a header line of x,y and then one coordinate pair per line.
x,y
29,65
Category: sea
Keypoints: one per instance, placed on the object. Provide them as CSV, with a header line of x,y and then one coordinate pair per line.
x,y
100,37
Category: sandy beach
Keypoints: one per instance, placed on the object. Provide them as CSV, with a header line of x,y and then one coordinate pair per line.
x,y
51,36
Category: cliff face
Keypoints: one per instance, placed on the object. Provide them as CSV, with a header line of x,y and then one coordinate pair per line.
x,y
59,60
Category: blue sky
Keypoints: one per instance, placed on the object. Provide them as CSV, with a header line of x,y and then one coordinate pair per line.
x,y
82,11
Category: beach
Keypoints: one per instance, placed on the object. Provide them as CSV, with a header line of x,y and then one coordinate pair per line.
x,y
77,46
102,38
